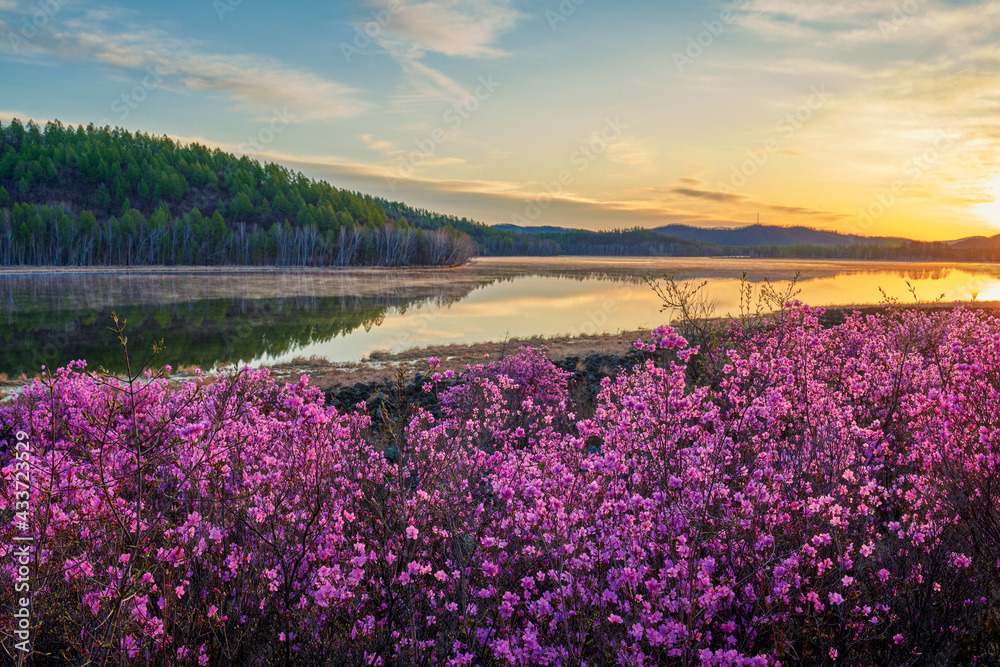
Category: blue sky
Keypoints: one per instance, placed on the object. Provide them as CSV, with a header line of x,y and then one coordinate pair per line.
x,y
876,117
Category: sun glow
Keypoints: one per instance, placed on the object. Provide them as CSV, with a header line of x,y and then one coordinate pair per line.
x,y
990,210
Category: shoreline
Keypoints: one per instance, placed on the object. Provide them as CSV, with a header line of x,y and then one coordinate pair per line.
x,y
381,367
497,259
202,270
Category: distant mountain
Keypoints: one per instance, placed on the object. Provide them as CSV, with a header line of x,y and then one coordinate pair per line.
x,y
976,242
744,237
636,241
753,241
766,235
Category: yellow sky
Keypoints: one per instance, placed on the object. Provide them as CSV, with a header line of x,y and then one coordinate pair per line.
x,y
873,117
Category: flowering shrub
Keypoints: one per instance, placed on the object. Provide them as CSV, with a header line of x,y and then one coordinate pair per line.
x,y
830,498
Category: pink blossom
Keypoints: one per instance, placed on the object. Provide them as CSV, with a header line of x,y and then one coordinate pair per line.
x,y
679,513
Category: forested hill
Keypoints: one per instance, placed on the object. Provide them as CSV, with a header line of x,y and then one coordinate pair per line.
x,y
85,196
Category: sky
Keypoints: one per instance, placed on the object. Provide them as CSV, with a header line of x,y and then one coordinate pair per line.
x,y
869,117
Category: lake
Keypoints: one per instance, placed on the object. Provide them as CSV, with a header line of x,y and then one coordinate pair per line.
x,y
211,316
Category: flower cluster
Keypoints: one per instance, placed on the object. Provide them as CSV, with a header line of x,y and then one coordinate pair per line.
x,y
831,497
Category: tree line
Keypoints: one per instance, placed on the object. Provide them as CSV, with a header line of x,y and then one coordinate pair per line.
x,y
51,236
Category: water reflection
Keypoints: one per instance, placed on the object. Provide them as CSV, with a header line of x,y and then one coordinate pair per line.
x,y
204,318
208,317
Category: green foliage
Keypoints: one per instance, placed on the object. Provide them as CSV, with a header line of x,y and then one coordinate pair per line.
x,y
125,185
102,198
87,222
241,208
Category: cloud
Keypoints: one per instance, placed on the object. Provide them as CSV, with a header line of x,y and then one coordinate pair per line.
x,y
780,29
829,12
462,28
710,194
629,152
386,148
255,83
259,83
454,28
424,84
847,22
734,203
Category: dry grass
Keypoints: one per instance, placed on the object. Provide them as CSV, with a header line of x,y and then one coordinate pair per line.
x,y
382,365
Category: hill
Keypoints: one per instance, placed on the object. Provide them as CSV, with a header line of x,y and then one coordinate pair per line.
x,y
92,196
756,241
976,242
635,241
758,235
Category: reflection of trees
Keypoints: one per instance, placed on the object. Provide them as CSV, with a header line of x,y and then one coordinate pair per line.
x,y
53,319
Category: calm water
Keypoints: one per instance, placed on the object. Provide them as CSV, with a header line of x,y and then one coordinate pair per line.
x,y
209,317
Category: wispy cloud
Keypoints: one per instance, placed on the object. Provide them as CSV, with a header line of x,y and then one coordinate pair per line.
x,y
465,28
709,194
630,152
696,198
386,148
842,11
257,84
846,22
454,28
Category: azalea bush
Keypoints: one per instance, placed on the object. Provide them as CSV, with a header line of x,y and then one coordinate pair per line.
x,y
830,497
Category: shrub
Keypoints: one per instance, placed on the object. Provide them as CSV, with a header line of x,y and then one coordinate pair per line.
x,y
830,496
